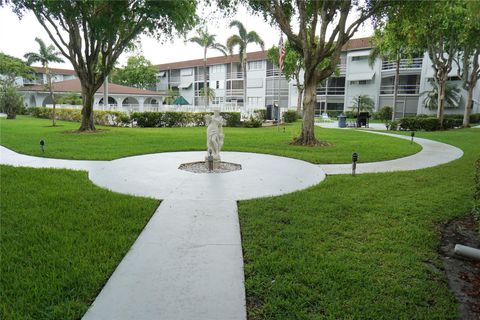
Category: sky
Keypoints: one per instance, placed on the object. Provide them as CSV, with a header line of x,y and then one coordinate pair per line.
x,y
17,37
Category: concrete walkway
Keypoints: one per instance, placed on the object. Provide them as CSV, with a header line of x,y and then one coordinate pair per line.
x,y
187,262
334,125
433,153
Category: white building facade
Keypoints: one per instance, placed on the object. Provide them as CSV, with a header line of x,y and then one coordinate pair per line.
x,y
354,77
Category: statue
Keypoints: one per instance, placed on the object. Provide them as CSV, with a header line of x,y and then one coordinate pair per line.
x,y
214,135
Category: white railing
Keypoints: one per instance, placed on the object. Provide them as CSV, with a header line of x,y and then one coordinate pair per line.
x,y
174,79
332,91
274,92
273,72
402,89
235,75
32,81
234,92
199,77
414,63
342,68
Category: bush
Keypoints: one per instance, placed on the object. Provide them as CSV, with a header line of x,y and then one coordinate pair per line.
x,y
104,118
290,116
392,125
261,114
419,123
351,114
252,122
334,114
476,191
385,113
233,118
179,119
452,121
11,102
475,118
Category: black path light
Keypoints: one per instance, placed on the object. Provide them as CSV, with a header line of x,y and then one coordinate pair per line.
x,y
412,135
42,145
210,161
354,162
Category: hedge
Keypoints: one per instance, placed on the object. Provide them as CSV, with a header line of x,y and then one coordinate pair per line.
x,y
180,119
290,116
105,118
428,123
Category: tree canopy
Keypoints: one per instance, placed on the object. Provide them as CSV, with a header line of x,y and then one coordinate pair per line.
x,y
12,67
138,72
92,34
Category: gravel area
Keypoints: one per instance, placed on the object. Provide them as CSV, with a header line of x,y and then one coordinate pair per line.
x,y
201,167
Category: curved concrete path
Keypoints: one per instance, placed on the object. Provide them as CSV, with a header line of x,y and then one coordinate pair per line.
x,y
433,153
187,263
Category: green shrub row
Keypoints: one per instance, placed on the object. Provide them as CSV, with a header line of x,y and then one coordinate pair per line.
x,y
428,123
475,118
105,118
179,119
290,116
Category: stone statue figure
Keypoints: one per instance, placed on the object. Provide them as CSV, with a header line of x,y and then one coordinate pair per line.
x,y
214,134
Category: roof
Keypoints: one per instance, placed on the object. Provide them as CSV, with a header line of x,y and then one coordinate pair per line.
x,y
74,86
352,44
55,71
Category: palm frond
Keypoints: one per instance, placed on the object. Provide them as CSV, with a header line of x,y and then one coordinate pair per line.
x,y
234,41
219,47
253,37
241,28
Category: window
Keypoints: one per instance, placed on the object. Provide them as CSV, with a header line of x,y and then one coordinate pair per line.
x,y
218,100
255,65
359,58
218,68
255,101
361,82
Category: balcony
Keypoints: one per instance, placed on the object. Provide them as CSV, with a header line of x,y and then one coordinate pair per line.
x,y
331,91
30,82
403,89
234,92
234,75
415,63
274,92
174,79
342,68
273,72
199,77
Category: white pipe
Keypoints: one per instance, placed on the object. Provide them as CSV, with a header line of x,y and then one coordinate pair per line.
x,y
468,252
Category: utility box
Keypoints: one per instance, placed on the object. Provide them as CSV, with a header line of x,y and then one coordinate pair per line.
x,y
342,121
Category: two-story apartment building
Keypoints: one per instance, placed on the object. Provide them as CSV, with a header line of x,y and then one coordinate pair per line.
x,y
354,77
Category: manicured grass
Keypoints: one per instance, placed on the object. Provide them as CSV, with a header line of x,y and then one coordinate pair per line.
x,y
361,247
23,135
61,239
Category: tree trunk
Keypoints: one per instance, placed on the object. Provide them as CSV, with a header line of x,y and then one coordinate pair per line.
x,y
50,88
441,100
244,70
307,137
395,86
299,98
87,111
205,83
468,107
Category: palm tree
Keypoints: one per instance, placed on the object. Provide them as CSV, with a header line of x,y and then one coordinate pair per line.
x,y
207,41
241,40
453,97
363,103
44,56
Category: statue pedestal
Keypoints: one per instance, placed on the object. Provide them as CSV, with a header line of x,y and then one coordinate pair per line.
x,y
216,164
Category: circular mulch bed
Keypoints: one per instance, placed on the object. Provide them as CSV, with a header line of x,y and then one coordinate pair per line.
x,y
200,167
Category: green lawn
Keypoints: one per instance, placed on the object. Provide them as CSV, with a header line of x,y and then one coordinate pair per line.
x,y
61,239
23,135
361,247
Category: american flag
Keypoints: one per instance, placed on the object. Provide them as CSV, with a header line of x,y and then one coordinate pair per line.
x,y
281,52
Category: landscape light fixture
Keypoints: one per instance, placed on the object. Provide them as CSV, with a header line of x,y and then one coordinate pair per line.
x,y
413,136
210,161
354,162
42,146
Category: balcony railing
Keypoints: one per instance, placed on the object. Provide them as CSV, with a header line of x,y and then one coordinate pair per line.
x,y
402,89
274,92
199,77
174,79
234,92
235,75
273,72
32,81
342,68
404,64
332,91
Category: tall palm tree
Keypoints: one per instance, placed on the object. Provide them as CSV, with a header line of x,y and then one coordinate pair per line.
x,y
207,41
241,40
44,56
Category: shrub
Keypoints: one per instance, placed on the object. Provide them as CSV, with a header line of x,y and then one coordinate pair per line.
x,y
350,114
290,116
334,114
392,125
11,102
475,118
252,122
476,191
261,114
452,121
233,118
419,123
385,113
105,118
